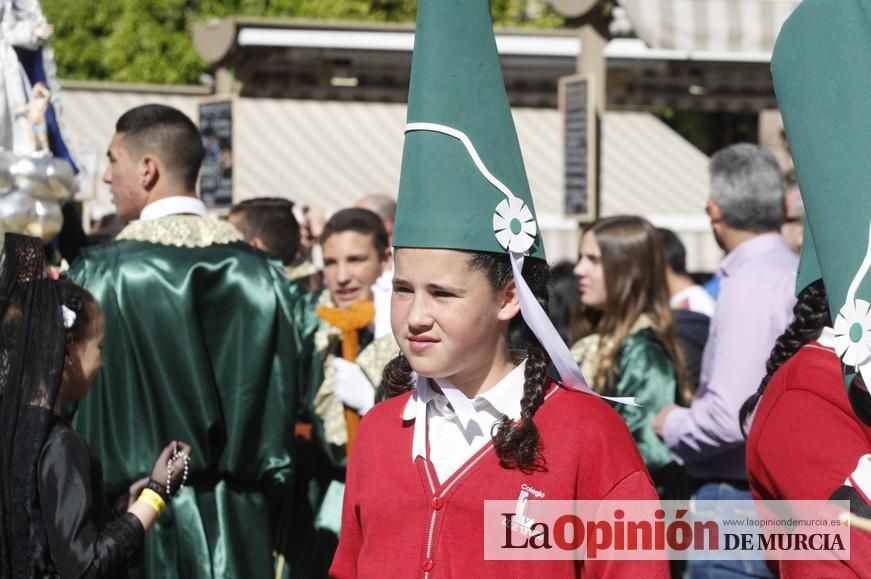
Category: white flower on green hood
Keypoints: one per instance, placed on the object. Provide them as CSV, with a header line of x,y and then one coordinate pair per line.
x,y
853,333
514,225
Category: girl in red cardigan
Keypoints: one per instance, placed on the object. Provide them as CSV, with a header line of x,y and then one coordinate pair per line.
x,y
802,403
475,415
424,461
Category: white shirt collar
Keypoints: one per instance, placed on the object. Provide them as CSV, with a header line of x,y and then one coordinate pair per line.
x,y
176,205
505,397
422,392
827,338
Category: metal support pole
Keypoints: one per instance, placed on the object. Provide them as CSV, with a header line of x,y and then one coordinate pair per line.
x,y
591,60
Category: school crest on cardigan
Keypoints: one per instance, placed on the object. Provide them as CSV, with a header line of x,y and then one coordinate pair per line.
x,y
524,512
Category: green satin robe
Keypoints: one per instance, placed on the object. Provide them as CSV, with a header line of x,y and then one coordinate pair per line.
x,y
645,371
308,550
199,347
308,542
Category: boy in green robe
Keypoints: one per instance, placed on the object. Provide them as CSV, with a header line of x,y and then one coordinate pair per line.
x,y
355,249
269,224
200,347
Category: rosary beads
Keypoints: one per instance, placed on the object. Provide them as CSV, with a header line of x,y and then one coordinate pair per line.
x,y
170,470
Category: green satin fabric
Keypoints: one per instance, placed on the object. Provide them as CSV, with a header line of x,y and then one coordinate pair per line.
x,y
308,551
311,371
199,347
646,372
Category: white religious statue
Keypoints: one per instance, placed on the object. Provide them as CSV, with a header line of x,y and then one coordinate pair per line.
x,y
22,24
33,183
34,112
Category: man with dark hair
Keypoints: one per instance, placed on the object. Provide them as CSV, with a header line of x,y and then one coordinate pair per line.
x,y
268,224
200,348
355,250
684,293
360,221
793,224
161,142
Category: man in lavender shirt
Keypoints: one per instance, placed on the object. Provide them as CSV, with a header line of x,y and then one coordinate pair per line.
x,y
754,307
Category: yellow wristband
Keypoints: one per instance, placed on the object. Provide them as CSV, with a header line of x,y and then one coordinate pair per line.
x,y
153,500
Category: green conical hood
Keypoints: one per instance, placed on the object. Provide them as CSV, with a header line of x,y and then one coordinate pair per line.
x,y
821,68
445,200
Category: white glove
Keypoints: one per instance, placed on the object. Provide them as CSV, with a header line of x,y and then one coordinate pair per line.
x,y
352,386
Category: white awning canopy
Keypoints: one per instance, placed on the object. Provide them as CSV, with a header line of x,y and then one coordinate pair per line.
x,y
710,26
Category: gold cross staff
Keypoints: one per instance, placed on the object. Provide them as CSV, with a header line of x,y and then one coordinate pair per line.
x,y
350,321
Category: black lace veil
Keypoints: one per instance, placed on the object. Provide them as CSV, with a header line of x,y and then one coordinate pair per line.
x,y
32,346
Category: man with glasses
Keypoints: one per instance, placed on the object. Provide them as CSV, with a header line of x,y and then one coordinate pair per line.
x,y
757,276
793,224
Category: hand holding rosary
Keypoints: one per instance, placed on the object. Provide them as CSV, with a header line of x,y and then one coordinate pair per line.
x,y
177,454
171,470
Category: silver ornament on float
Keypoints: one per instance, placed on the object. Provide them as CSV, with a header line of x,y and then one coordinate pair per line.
x,y
48,220
17,210
61,179
6,178
31,189
30,175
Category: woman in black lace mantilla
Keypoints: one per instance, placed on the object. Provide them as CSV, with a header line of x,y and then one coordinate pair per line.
x,y
55,520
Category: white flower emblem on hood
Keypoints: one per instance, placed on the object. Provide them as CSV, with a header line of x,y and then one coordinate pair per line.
x,y
853,332
514,225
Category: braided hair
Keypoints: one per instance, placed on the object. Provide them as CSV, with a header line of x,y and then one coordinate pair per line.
x,y
811,313
516,443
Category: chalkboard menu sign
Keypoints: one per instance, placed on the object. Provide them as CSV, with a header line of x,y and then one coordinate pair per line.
x,y
579,148
216,174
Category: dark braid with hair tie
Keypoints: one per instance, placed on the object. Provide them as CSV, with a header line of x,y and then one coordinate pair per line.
x,y
517,445
396,378
811,316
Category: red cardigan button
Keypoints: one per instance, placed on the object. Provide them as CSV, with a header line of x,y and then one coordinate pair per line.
x,y
437,503
426,565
